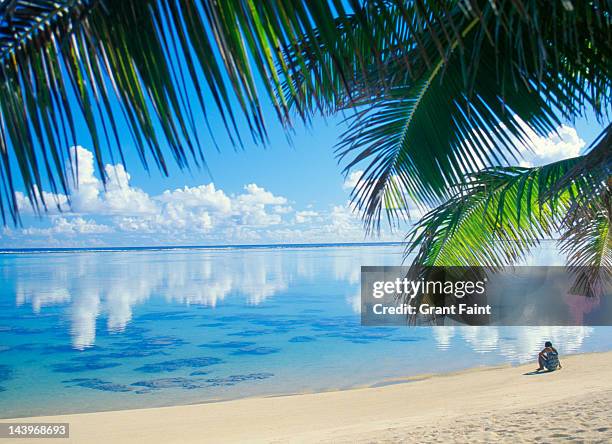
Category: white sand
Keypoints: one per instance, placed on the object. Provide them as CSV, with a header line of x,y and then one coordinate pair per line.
x,y
481,405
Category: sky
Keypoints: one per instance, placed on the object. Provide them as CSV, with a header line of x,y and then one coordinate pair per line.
x,y
293,190
286,193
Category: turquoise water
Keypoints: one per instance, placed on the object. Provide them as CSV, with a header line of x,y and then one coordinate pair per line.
x,y
100,330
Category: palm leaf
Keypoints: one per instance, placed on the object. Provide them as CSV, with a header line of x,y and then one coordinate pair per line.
x,y
430,134
499,214
94,64
494,220
440,98
587,243
586,238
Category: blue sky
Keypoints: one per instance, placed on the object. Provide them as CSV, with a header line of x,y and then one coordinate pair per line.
x,y
282,193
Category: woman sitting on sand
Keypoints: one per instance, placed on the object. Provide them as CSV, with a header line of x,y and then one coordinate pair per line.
x,y
548,357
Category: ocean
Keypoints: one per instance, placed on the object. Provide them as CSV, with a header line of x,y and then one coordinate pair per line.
x,y
106,329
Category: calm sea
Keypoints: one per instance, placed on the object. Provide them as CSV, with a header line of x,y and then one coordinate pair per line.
x,y
115,329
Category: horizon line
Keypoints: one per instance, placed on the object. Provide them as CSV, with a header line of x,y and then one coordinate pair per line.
x,y
193,247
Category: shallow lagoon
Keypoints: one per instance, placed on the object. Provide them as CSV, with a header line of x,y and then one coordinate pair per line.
x,y
88,331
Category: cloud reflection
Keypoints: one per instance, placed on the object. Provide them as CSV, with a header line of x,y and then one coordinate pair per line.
x,y
517,344
112,284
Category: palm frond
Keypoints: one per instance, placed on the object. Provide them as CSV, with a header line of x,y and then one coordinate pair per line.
x,y
150,66
494,220
440,97
586,237
430,134
587,243
499,214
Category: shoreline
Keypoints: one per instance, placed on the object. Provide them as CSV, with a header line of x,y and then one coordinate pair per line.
x,y
388,411
396,380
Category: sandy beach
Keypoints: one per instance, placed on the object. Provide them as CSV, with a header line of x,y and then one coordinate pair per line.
x,y
478,405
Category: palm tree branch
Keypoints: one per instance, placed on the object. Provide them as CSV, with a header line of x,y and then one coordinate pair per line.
x,y
487,222
71,64
486,96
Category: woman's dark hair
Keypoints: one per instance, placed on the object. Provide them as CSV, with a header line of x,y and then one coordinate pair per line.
x,y
548,344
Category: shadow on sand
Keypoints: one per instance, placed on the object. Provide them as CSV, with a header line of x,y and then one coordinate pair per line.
x,y
538,372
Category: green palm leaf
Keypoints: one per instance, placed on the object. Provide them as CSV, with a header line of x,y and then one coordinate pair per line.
x,y
499,214
586,238
95,63
441,99
587,243
430,134
494,220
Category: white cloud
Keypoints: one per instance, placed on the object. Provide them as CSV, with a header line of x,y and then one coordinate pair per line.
x,y
203,196
122,214
69,226
252,215
535,150
351,180
190,208
250,207
258,196
197,209
283,209
205,213
120,198
54,202
305,216
88,195
343,217
78,225
85,189
562,144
